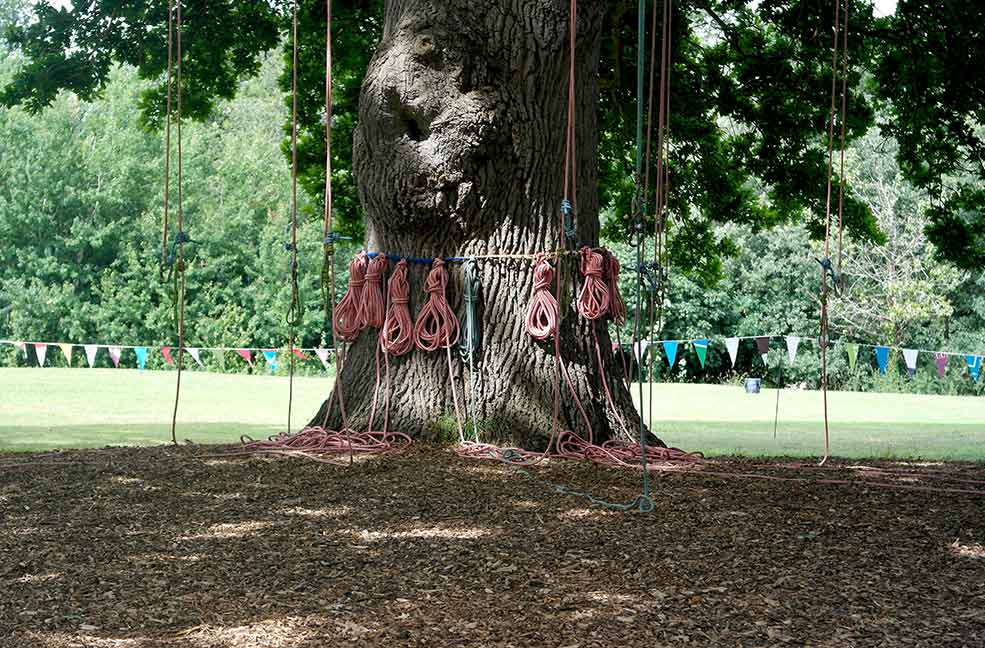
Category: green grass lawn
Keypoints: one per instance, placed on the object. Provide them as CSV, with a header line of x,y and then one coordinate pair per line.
x,y
42,409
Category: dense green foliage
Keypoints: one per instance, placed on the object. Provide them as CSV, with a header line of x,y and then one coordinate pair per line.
x,y
750,96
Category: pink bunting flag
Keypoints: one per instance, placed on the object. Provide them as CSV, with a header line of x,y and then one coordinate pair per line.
x,y
91,351
114,354
615,347
940,359
166,352
245,355
22,346
196,354
67,352
40,350
323,356
300,354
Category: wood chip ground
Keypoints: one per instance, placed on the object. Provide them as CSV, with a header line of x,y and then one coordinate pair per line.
x,y
143,548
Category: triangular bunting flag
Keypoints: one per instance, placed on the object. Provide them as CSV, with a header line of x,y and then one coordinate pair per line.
x,y
299,354
670,348
195,353
882,357
974,366
22,346
114,354
732,344
615,347
793,343
67,352
91,351
141,357
701,349
852,355
323,356
940,359
245,355
166,352
40,350
639,348
763,346
910,358
271,357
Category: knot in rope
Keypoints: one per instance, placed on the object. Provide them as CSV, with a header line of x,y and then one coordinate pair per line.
x,y
347,317
542,313
617,307
437,326
372,310
397,334
593,300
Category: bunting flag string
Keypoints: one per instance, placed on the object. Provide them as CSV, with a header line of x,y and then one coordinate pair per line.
x,y
763,346
195,353
701,349
640,350
670,348
245,355
793,343
271,357
852,356
40,350
141,357
882,357
91,351
732,344
910,359
114,354
323,356
67,352
974,366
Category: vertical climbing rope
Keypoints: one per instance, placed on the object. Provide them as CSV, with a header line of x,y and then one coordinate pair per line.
x,y
167,147
178,254
826,265
293,314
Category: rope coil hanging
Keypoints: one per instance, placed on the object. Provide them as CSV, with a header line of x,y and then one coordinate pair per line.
x,y
347,320
397,334
436,326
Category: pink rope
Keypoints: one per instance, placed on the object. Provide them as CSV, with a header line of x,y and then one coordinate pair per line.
x,y
397,336
347,318
437,326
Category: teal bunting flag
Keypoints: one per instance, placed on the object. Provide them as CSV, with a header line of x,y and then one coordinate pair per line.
x,y
670,348
271,358
974,366
882,357
701,349
141,357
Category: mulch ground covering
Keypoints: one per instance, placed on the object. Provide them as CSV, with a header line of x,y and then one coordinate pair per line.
x,y
141,548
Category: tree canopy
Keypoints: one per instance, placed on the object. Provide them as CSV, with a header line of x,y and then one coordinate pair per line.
x,y
750,91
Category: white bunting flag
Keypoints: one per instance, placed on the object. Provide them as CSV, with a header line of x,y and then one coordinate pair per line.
x,y
732,344
67,352
639,348
91,351
40,350
910,358
323,356
195,353
793,343
114,354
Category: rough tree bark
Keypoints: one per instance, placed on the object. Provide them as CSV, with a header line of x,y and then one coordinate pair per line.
x,y
460,151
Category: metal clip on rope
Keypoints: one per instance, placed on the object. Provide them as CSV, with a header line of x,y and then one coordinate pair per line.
x,y
569,222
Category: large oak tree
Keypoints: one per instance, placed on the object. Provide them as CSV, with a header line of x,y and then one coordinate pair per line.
x,y
457,138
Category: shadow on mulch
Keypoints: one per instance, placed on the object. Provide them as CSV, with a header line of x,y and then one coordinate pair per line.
x,y
141,548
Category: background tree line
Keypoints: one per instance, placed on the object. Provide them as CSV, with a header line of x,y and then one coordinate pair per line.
x,y
80,215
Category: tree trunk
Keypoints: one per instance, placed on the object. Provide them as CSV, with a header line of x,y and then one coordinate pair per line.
x,y
460,151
